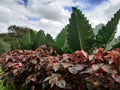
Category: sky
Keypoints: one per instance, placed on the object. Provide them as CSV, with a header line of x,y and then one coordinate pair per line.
x,y
53,15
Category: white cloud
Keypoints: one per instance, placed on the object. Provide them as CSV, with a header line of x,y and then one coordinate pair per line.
x,y
53,16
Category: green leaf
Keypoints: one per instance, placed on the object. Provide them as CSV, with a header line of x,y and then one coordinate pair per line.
x,y
61,38
80,33
117,43
111,44
107,33
61,44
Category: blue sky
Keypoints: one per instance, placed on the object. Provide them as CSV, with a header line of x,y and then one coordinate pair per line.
x,y
33,18
93,2
23,2
53,15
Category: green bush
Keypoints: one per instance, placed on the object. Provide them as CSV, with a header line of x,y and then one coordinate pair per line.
x,y
4,47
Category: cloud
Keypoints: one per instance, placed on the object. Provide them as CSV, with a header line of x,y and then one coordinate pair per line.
x,y
52,15
48,15
54,10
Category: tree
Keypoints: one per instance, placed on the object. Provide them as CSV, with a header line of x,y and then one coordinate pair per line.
x,y
18,29
49,40
26,42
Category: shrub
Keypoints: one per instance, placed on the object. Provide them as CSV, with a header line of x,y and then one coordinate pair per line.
x,y
44,69
4,46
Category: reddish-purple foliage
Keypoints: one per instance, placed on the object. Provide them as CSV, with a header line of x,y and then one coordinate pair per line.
x,y
45,69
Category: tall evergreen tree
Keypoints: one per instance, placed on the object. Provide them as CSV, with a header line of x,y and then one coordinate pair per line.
x,y
49,40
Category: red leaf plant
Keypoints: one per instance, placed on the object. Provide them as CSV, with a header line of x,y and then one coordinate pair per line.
x,y
44,69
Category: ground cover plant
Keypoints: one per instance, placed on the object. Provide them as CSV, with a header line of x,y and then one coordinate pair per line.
x,y
7,86
44,69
